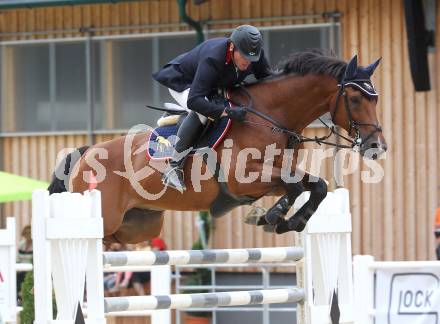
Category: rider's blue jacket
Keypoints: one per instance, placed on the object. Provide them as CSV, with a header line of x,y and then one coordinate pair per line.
x,y
204,69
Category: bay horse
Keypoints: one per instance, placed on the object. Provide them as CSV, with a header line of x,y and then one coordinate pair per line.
x,y
309,84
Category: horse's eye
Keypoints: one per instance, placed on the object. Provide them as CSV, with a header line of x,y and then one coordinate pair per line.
x,y
355,101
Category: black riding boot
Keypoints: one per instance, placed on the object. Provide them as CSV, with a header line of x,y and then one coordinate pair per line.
x,y
188,133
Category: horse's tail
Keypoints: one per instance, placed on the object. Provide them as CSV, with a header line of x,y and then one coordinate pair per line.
x,y
60,176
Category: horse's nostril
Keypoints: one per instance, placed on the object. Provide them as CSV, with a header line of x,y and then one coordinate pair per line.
x,y
374,145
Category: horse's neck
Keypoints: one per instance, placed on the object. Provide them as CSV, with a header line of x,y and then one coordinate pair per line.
x,y
294,101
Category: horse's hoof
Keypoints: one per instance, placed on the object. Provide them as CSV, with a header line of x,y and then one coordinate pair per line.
x,y
297,223
274,216
269,228
282,227
262,221
277,212
255,215
251,220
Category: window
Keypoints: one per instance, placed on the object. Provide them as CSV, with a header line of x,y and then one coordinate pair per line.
x,y
28,95
46,86
69,103
280,43
133,85
169,48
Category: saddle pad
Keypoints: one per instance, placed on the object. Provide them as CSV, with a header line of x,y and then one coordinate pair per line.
x,y
162,139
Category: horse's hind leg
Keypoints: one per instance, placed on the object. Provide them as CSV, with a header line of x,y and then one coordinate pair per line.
x,y
138,225
318,191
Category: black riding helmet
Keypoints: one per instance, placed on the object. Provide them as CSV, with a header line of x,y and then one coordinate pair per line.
x,y
247,39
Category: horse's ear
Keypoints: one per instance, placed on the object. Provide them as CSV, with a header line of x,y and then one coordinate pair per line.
x,y
350,71
370,68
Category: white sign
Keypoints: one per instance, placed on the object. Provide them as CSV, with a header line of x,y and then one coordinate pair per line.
x,y
407,296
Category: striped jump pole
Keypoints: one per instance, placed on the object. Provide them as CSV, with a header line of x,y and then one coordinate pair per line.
x,y
231,256
185,301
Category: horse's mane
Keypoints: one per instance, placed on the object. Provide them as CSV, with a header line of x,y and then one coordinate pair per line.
x,y
313,61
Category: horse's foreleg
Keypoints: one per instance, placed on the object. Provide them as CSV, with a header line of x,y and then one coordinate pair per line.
x,y
275,215
318,191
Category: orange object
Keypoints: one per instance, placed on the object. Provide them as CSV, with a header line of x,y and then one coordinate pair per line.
x,y
437,221
188,319
158,243
92,181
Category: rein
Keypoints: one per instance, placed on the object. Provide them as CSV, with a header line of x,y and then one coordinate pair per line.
x,y
295,138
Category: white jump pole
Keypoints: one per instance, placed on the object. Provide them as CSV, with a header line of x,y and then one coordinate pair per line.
x,y
328,260
67,232
363,279
220,256
67,235
161,286
8,290
8,272
218,299
42,258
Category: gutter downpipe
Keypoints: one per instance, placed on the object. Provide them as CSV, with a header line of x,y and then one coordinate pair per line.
x,y
191,22
203,217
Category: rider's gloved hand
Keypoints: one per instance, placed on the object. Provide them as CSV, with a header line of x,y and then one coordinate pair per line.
x,y
221,101
236,113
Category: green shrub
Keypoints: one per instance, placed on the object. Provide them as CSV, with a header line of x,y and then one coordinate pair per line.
x,y
27,315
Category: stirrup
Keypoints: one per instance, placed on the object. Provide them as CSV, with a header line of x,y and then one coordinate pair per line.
x,y
178,173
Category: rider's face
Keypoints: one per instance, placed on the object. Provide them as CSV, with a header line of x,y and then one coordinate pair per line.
x,y
240,62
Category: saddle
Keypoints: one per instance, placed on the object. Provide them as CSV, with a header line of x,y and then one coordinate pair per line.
x,y
163,138
168,119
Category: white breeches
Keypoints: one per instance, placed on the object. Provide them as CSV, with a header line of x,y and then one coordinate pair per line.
x,y
182,98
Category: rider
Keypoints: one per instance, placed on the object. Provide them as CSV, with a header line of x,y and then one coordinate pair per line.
x,y
193,79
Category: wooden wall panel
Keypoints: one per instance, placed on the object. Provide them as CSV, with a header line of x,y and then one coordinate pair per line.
x,y
435,119
387,116
398,151
391,220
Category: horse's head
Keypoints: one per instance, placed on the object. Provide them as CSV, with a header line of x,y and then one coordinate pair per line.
x,y
354,109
